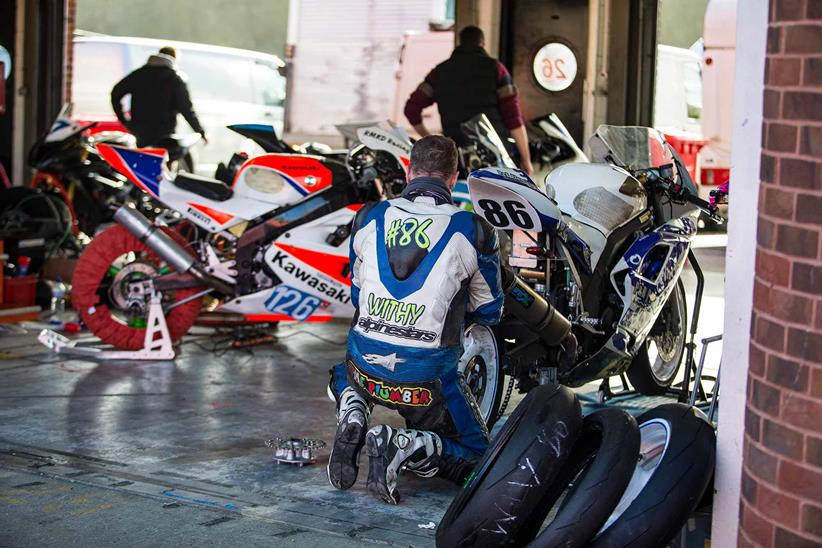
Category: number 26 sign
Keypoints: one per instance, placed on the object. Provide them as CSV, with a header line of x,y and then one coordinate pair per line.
x,y
555,66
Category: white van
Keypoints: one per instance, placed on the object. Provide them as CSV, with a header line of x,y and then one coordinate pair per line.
x,y
678,91
227,86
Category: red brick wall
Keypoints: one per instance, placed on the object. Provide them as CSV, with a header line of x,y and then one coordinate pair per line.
x,y
782,467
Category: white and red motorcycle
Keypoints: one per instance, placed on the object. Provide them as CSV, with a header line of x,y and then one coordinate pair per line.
x,y
273,246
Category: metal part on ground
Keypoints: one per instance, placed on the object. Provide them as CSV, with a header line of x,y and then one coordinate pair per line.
x,y
299,451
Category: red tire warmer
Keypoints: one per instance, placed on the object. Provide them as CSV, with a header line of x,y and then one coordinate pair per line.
x,y
93,265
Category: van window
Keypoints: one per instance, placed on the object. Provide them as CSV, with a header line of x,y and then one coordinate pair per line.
x,y
692,76
214,76
269,86
97,67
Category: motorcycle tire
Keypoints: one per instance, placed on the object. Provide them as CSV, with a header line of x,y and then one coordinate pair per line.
x,y
515,472
653,379
593,479
677,455
481,366
93,265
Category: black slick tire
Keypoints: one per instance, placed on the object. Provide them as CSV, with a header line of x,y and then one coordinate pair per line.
x,y
515,471
594,477
652,511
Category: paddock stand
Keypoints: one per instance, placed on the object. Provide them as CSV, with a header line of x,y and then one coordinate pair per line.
x,y
154,347
681,392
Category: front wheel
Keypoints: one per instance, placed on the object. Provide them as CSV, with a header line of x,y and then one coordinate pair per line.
x,y
481,368
114,260
658,361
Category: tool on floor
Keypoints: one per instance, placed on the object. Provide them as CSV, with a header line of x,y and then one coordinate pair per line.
x,y
156,346
295,450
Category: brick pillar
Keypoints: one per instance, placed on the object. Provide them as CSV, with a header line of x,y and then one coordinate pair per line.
x,y
782,466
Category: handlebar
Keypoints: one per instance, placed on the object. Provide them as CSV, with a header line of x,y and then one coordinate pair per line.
x,y
678,192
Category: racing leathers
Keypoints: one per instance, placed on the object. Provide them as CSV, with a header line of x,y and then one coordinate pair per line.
x,y
420,268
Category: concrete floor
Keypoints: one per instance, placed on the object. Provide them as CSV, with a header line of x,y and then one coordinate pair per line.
x,y
173,453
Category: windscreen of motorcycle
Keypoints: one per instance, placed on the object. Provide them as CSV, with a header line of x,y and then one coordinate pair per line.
x,y
630,147
602,196
480,131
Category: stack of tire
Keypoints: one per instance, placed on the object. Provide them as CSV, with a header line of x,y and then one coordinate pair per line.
x,y
552,478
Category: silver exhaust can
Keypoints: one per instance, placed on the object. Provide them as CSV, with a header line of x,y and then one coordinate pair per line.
x,y
157,240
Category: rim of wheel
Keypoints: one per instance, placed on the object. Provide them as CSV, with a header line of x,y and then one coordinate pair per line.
x,y
91,298
655,435
480,350
128,268
665,349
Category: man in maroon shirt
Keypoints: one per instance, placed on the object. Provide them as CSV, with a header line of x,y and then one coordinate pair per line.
x,y
468,83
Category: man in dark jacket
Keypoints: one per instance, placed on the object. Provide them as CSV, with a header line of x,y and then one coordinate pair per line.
x,y
468,83
158,94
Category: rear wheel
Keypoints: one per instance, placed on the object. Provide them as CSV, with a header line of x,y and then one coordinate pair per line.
x,y
658,361
114,260
481,368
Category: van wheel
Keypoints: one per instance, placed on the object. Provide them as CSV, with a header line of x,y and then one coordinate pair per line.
x,y
591,482
676,462
515,472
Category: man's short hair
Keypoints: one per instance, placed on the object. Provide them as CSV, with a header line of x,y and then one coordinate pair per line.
x,y
471,36
435,156
169,50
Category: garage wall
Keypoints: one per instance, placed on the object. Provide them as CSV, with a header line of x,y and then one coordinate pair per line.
x,y
345,58
782,471
246,24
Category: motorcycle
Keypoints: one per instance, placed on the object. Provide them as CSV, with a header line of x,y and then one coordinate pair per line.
x,y
554,146
69,166
265,136
605,244
272,247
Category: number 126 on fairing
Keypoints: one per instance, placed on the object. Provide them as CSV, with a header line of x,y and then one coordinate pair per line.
x,y
292,302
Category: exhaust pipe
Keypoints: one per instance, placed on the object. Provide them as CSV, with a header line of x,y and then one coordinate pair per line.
x,y
169,250
537,313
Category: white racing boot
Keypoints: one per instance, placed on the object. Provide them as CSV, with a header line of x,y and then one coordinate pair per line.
x,y
393,449
352,423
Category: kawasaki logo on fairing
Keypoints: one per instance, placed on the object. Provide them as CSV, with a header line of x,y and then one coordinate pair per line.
x,y
336,293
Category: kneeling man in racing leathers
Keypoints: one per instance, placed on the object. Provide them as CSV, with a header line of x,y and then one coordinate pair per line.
x,y
420,267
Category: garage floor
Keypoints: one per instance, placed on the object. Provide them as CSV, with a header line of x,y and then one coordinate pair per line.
x,y
193,432
173,453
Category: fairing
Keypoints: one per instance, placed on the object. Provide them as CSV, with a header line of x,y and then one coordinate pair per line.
x,y
263,184
644,278
602,196
509,199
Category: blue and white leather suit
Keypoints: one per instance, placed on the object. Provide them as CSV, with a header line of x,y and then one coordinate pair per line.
x,y
420,268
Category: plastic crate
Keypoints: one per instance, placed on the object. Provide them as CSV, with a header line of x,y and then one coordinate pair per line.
x,y
20,291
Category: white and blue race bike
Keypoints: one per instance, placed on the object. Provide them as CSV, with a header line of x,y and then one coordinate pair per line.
x,y
605,244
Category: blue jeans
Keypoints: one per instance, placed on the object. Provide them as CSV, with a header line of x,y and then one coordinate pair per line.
x,y
440,406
